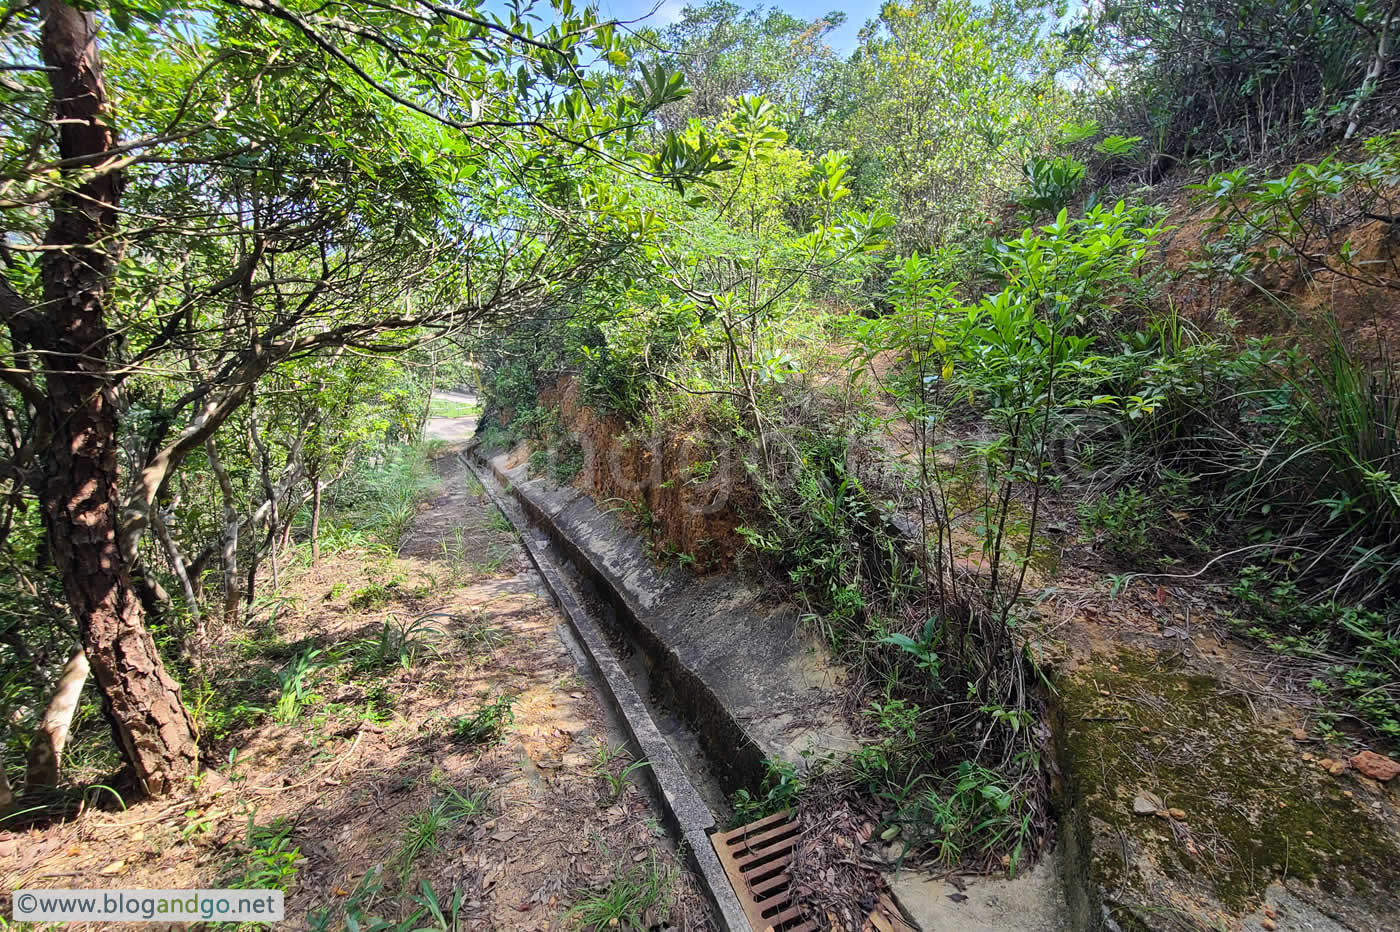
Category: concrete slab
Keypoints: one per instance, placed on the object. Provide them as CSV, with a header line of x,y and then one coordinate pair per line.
x,y
1030,902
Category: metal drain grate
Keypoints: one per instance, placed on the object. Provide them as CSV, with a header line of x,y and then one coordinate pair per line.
x,y
756,858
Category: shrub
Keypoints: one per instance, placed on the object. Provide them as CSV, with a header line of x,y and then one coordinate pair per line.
x,y
1123,520
1051,182
1241,79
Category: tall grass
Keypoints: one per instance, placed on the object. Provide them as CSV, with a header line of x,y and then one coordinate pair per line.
x,y
1352,429
380,498
1324,475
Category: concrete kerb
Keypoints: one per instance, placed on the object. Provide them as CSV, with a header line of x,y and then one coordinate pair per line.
x,y
687,816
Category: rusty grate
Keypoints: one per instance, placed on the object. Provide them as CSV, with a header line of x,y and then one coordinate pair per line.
x,y
756,858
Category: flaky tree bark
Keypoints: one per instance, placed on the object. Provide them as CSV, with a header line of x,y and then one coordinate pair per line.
x,y
51,737
80,480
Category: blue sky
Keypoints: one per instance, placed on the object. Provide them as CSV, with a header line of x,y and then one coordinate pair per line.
x,y
668,11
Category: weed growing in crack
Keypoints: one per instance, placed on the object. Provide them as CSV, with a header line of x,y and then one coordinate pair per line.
x,y
496,557
454,550
781,788
616,783
638,513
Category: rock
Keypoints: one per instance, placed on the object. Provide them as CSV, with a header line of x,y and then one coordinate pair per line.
x,y
1146,803
1376,766
1338,768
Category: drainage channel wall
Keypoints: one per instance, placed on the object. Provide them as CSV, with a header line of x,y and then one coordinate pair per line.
x,y
733,755
685,813
734,662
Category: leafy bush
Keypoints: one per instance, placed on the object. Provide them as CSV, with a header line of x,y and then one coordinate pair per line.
x,y
1304,219
270,861
1122,520
1051,182
975,813
819,533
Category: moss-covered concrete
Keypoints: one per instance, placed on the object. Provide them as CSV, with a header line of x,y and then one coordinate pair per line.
x,y
1251,809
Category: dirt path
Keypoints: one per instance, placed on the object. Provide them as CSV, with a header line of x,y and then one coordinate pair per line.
x,y
391,774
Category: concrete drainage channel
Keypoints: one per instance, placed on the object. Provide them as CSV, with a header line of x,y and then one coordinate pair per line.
x,y
688,817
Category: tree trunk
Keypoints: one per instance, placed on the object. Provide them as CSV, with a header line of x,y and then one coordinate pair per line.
x,y
176,559
80,481
285,540
7,795
46,747
274,519
229,544
155,601
316,517
1373,73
